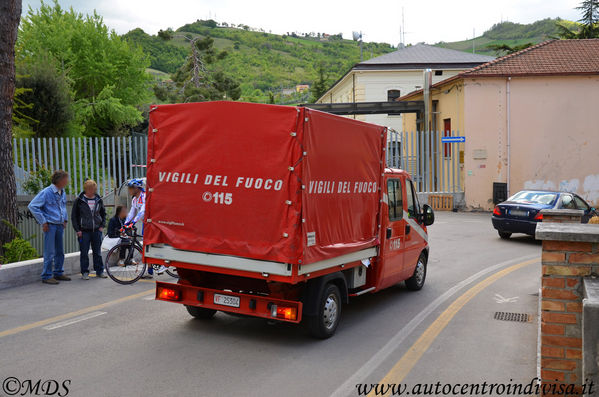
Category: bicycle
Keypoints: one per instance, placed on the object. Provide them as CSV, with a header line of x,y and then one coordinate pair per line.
x,y
128,268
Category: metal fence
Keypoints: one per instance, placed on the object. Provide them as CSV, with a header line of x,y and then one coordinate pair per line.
x,y
108,160
433,165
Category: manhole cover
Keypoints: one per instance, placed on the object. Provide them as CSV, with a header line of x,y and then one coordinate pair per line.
x,y
507,316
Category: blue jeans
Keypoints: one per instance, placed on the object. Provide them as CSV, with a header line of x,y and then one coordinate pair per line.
x,y
53,251
95,240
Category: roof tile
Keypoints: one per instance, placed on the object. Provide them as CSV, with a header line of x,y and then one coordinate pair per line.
x,y
553,57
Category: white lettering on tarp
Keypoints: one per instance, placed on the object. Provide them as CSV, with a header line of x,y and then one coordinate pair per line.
x,y
341,187
221,180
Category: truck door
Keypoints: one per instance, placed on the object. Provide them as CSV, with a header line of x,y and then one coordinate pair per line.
x,y
393,245
415,236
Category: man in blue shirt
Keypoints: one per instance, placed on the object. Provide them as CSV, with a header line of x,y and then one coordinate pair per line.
x,y
49,208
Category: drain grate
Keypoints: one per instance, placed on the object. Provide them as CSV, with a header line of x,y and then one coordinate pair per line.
x,y
507,316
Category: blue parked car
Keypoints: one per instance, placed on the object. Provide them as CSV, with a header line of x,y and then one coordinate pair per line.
x,y
521,212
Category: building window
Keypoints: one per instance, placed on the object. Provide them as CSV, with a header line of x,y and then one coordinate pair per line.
x,y
446,133
392,95
438,73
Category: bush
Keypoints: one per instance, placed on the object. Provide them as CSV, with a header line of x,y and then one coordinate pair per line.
x,y
37,180
18,249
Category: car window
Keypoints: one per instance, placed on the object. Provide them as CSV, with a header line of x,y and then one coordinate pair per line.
x,y
532,197
395,199
581,204
412,202
568,202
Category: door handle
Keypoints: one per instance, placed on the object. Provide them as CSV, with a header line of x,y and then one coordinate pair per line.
x,y
389,232
408,229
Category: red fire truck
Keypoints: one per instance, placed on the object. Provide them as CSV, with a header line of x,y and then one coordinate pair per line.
x,y
277,212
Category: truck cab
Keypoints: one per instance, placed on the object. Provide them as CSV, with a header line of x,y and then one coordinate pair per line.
x,y
404,246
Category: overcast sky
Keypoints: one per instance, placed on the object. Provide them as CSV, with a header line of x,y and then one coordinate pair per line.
x,y
380,20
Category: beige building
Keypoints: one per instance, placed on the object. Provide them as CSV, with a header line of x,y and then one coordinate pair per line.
x,y
531,120
389,76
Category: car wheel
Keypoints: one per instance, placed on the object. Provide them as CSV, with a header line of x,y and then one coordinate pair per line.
x,y
200,312
324,324
416,282
504,235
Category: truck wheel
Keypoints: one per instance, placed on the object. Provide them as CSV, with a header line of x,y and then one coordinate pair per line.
x,y
504,235
416,282
200,312
325,323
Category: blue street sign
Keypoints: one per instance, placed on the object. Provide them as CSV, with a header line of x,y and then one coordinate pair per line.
x,y
453,139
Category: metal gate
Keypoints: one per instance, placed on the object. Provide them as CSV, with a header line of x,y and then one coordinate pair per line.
x,y
435,166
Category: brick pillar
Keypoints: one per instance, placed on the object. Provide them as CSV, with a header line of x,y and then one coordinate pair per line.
x,y
570,252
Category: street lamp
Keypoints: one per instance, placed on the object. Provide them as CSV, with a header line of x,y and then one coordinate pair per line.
x,y
357,36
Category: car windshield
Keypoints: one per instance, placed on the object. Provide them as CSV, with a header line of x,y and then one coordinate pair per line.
x,y
529,197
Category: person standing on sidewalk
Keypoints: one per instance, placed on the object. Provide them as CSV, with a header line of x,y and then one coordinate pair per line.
x,y
49,207
88,218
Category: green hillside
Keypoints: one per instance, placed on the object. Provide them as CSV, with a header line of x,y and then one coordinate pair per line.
x,y
262,62
510,33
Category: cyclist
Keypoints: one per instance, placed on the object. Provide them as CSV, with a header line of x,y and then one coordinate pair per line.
x,y
138,208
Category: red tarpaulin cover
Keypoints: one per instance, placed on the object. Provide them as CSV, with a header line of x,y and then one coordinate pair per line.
x,y
238,179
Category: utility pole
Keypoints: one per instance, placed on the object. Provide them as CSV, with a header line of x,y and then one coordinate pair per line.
x,y
473,39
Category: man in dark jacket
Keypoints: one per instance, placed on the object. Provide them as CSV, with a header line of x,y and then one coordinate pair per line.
x,y
88,219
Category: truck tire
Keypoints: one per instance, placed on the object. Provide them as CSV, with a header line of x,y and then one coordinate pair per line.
x,y
416,282
323,325
504,235
200,312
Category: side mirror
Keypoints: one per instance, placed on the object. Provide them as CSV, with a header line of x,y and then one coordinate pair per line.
x,y
428,215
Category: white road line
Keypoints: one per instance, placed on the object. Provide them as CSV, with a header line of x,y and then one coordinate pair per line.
x,y
149,298
73,320
349,386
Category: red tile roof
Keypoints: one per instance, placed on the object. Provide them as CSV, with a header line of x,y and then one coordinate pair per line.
x,y
553,57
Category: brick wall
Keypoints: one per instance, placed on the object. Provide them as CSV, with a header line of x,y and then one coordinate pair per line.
x,y
566,258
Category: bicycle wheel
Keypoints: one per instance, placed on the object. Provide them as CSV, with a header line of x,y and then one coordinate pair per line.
x,y
130,268
172,271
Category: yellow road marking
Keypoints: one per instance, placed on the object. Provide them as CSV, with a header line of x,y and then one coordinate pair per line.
x,y
403,367
66,316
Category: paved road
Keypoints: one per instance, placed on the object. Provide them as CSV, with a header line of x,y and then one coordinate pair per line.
x,y
112,340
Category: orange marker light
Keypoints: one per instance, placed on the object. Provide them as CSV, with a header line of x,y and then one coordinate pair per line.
x,y
169,294
288,313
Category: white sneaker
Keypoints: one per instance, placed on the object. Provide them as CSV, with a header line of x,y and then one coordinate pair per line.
x,y
161,270
121,262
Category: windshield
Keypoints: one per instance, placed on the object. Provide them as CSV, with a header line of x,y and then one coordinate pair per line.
x,y
529,197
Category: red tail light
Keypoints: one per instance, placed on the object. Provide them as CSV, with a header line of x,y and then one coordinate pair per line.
x,y
539,217
497,211
287,313
169,294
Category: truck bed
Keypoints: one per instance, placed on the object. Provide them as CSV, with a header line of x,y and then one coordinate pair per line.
x,y
279,271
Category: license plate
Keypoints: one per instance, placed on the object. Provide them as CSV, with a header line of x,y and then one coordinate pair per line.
x,y
519,213
226,300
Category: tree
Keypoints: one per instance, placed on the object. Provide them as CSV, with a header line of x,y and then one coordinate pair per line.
x,y
197,80
504,49
10,14
589,28
95,60
320,86
49,109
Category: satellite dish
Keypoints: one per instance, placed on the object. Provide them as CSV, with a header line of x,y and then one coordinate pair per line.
x,y
356,36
